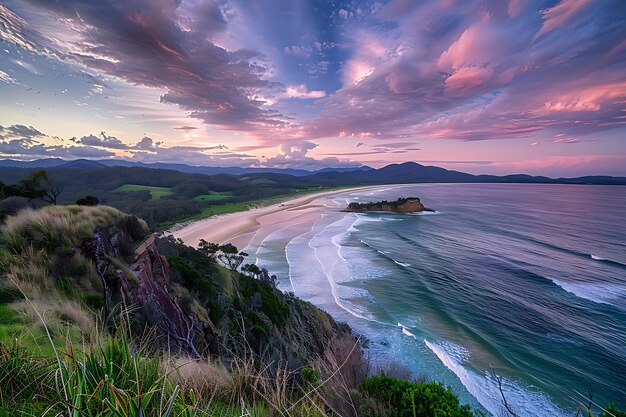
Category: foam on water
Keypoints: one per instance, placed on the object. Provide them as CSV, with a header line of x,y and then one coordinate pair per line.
x,y
425,213
610,261
603,293
485,388
312,260
405,331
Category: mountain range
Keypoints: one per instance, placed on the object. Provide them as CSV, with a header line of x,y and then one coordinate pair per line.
x,y
192,169
408,172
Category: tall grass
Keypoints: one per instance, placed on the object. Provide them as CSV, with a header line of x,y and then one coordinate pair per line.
x,y
54,227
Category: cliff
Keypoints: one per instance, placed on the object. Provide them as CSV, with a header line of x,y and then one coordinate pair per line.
x,y
97,261
401,205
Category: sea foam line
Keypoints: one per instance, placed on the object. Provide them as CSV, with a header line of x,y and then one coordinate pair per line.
x,y
485,389
602,293
333,289
331,282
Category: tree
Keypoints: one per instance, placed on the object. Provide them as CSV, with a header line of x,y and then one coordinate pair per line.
x,y
260,274
88,200
39,185
208,248
231,257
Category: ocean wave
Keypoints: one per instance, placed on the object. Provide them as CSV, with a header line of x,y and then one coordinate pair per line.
x,y
425,213
386,255
405,331
608,261
368,219
329,262
485,388
603,293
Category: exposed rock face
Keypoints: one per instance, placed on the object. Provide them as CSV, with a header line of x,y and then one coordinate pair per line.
x,y
145,282
401,205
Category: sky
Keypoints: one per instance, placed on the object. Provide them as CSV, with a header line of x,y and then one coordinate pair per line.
x,y
491,86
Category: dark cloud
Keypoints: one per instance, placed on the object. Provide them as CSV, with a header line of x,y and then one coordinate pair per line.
x,y
103,141
28,149
21,131
146,143
157,44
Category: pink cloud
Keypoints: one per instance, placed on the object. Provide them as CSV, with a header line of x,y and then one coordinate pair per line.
x,y
465,80
587,98
476,46
559,15
515,7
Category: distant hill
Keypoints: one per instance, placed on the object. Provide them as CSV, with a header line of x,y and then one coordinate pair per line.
x,y
192,169
407,172
411,172
81,164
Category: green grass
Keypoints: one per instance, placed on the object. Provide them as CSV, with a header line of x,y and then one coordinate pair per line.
x,y
155,192
211,197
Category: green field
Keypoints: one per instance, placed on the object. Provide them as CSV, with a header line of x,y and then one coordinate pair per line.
x,y
211,197
155,192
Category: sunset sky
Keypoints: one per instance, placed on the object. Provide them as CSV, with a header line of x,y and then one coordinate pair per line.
x,y
479,86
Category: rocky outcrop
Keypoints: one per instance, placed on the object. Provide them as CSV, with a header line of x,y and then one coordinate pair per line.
x,y
401,205
143,280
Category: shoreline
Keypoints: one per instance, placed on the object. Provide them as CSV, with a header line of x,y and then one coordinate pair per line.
x,y
239,228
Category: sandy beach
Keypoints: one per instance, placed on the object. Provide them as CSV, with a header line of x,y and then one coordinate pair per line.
x,y
241,227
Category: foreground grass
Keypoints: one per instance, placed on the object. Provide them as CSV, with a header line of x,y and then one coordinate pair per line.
x,y
155,192
113,376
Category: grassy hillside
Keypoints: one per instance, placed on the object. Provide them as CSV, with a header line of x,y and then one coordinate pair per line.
x,y
261,352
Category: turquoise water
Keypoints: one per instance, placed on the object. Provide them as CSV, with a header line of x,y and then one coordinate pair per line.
x,y
527,280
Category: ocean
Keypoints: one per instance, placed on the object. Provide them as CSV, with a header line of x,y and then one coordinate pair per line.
x,y
527,282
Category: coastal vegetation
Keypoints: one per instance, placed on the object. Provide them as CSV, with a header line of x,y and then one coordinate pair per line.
x,y
98,317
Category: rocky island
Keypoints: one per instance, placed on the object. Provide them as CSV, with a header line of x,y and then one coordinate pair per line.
x,y
401,205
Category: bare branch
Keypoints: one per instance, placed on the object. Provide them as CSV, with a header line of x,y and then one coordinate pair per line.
x,y
507,407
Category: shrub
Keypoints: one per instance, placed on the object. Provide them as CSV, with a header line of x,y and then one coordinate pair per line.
x,y
612,411
136,228
402,398
310,375
88,200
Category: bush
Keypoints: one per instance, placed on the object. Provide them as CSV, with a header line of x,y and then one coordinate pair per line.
x,y
402,398
612,411
88,200
310,375
137,229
